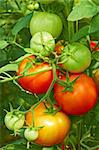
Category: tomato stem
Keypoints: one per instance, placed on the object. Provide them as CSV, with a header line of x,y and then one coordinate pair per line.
x,y
28,74
50,88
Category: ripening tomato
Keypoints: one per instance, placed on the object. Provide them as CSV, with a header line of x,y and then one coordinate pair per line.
x,y
93,45
75,57
38,83
54,126
48,22
81,99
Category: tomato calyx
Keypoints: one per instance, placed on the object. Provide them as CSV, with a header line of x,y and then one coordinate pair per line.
x,y
68,85
52,110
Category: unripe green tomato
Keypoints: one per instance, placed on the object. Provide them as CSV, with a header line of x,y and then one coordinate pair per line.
x,y
76,57
31,134
43,43
45,1
48,22
14,120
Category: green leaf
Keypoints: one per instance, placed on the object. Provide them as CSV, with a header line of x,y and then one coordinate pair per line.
x,y
9,67
22,23
84,9
81,33
21,58
94,26
95,55
3,44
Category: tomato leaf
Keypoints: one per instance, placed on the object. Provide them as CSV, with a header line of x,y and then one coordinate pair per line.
x,y
9,67
23,22
94,26
81,33
84,9
95,55
3,44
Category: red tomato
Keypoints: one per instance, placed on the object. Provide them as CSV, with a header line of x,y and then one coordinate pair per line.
x,y
38,83
55,127
81,99
93,45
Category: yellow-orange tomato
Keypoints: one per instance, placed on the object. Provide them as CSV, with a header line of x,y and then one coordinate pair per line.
x,y
55,127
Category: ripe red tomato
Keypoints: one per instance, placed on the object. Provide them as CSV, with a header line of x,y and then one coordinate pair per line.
x,y
55,127
38,83
93,45
81,99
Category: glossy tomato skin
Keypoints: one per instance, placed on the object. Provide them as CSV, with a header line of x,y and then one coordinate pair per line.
x,y
55,127
38,83
48,22
83,97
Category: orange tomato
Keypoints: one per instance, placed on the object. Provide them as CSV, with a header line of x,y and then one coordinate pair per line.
x,y
55,127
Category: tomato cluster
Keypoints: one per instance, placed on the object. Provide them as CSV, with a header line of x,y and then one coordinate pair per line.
x,y
56,67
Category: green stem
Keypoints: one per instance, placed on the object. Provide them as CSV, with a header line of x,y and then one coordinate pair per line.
x,y
18,45
77,26
50,88
29,74
70,29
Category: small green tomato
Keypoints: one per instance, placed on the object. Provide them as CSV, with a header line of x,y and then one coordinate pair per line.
x,y
43,43
31,134
14,120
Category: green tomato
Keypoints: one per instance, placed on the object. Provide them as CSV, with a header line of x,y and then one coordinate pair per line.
x,y
43,43
76,57
45,1
48,22
31,134
14,120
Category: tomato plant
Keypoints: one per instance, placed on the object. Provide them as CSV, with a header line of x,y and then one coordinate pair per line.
x,y
37,38
34,83
57,123
76,58
49,22
80,99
